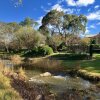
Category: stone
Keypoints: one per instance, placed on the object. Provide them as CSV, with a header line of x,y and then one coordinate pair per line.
x,y
59,77
39,97
46,74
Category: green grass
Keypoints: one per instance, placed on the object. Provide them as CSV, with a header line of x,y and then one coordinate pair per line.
x,y
78,60
89,65
92,65
74,60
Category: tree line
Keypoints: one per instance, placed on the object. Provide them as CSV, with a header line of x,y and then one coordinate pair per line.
x,y
57,28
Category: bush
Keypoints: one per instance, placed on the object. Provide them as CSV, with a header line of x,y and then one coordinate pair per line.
x,y
39,51
62,47
45,50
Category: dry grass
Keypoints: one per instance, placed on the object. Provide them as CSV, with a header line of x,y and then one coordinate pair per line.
x,y
16,59
22,74
6,91
43,64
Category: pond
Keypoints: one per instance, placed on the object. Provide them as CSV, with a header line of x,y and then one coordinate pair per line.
x,y
59,83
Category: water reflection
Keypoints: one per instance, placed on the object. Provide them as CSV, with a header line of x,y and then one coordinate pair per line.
x,y
59,84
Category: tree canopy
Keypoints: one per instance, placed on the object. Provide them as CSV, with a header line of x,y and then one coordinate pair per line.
x,y
56,22
28,22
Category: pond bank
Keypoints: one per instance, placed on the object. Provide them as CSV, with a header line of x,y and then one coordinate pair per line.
x,y
53,66
41,92
93,77
35,89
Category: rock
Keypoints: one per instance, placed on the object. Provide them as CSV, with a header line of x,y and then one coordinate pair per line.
x,y
59,77
36,80
46,74
39,97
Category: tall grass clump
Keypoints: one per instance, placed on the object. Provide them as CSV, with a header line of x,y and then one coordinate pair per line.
x,y
6,91
44,64
21,73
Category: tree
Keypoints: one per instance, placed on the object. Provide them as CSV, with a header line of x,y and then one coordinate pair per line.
x,y
59,23
54,41
68,26
14,26
86,40
6,35
28,22
27,37
44,30
52,21
74,24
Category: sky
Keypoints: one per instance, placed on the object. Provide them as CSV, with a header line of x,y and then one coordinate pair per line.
x,y
11,11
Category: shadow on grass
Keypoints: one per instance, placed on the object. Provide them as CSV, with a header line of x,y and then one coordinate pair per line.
x,y
92,65
69,57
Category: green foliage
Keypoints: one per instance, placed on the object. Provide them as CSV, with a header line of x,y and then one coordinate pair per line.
x,y
95,48
63,24
62,47
88,65
28,22
39,51
46,50
28,38
93,41
14,26
54,42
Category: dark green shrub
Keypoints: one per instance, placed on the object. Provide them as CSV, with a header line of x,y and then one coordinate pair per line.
x,y
93,41
62,47
39,51
35,51
45,50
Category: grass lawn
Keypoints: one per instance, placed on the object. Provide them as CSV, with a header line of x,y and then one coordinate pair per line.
x,y
74,60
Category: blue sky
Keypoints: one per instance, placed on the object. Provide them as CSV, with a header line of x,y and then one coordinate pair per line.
x,y
36,9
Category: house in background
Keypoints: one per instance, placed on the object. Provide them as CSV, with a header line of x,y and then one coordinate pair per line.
x,y
95,37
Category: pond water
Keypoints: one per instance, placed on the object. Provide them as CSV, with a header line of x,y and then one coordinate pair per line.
x,y
7,63
59,83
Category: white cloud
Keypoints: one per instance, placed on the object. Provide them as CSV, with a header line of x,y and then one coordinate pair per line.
x,y
39,20
80,2
92,26
97,6
90,35
87,30
71,2
58,7
87,33
94,15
